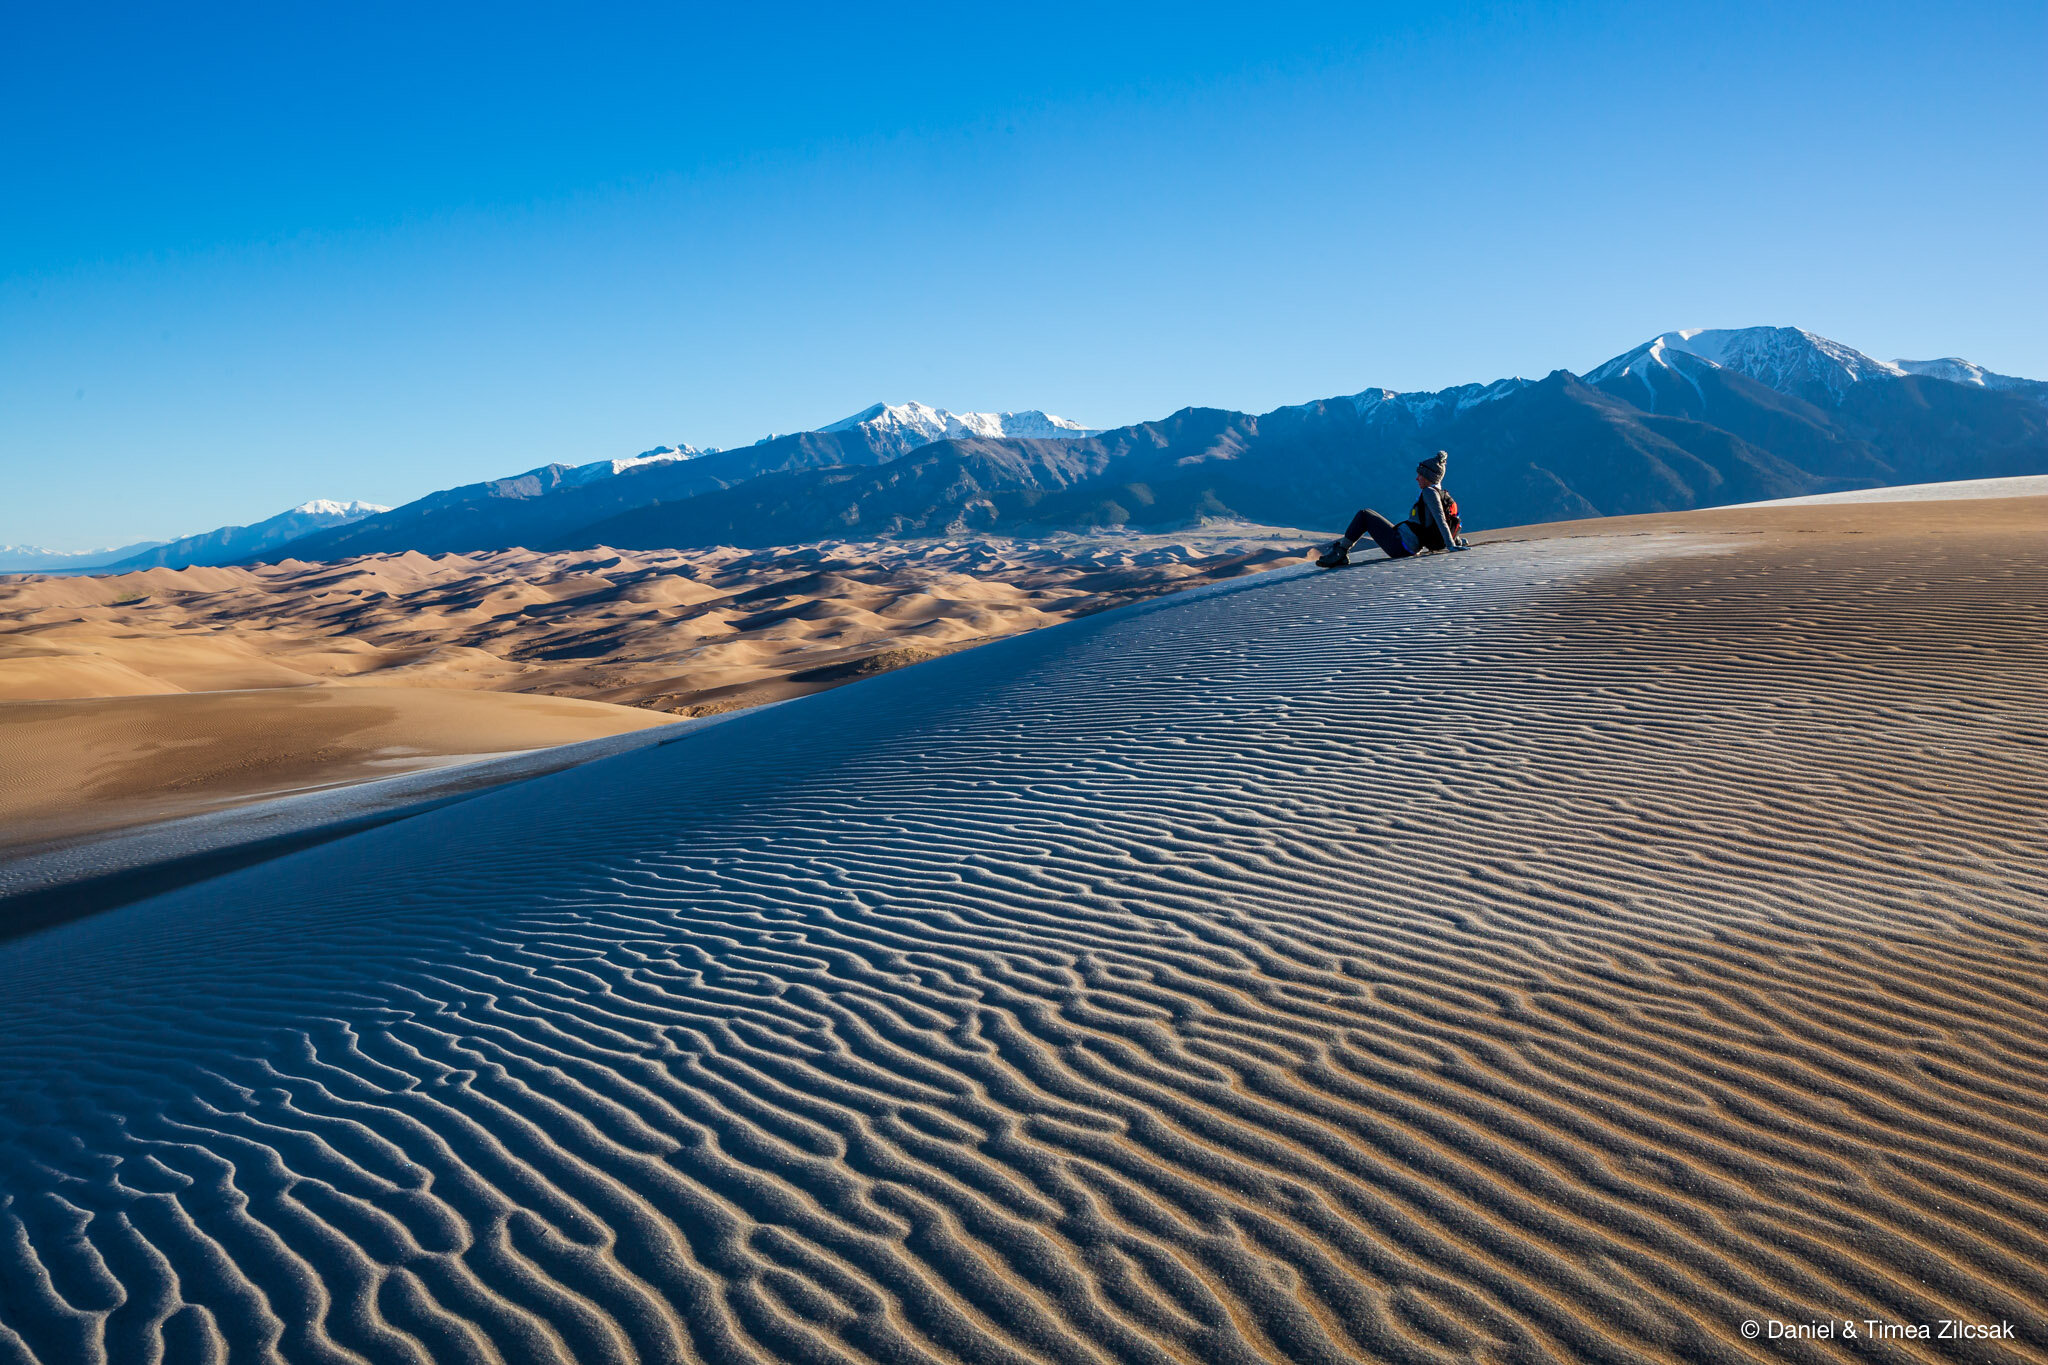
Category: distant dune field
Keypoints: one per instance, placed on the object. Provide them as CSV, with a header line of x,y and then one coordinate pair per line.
x,y
1573,950
680,631
318,675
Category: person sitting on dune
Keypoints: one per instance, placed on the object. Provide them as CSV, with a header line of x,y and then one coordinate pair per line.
x,y
1432,523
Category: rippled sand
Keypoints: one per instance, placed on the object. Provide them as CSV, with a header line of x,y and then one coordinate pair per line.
x,y
1564,951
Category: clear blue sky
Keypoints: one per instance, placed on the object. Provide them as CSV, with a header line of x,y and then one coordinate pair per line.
x,y
278,252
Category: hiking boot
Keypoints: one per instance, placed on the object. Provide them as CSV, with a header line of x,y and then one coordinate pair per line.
x,y
1336,553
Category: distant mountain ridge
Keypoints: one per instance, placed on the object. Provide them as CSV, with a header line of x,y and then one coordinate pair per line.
x,y
1688,419
1692,418
1794,362
542,505
233,544
36,559
1957,370
919,425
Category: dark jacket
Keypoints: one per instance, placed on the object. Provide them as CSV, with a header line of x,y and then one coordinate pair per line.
x,y
1432,526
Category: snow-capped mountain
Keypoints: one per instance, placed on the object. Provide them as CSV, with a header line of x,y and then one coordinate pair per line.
x,y
1426,407
541,506
895,429
1788,359
575,476
328,508
1957,370
913,425
605,469
1687,419
227,544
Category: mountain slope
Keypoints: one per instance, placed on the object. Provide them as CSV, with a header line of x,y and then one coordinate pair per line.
x,y
1538,451
1836,412
234,544
538,507
1789,361
1688,419
914,425
1957,370
542,506
36,559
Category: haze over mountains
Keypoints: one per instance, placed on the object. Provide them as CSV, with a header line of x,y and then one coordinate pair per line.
x,y
40,559
222,545
1686,420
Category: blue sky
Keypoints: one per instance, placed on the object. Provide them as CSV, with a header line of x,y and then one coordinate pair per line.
x,y
276,252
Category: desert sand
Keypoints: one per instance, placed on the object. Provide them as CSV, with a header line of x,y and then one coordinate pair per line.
x,y
317,675
1571,950
80,767
687,632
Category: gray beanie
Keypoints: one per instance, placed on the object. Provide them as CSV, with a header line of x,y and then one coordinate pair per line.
x,y
1433,467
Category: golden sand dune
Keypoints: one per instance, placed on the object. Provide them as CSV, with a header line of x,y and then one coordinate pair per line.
x,y
1568,951
78,767
682,631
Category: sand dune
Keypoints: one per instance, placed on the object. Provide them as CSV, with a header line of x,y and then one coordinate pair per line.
x,y
2014,486
1566,951
685,634
77,767
680,631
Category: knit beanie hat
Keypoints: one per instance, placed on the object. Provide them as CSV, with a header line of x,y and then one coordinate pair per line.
x,y
1433,467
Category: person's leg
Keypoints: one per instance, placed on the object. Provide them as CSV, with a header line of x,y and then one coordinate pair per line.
x,y
1371,523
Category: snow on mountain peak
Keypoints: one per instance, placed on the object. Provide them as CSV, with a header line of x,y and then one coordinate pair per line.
x,y
1667,353
604,469
1427,406
1783,357
328,507
1788,359
904,427
1957,370
924,424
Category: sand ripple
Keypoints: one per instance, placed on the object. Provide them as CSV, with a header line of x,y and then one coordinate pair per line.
x,y
1496,957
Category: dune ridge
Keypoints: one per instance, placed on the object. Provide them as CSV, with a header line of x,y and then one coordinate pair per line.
x,y
1565,952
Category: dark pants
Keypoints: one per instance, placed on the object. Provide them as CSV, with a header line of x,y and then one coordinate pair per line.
x,y
1371,523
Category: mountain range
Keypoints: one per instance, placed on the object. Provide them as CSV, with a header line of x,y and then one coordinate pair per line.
x,y
547,505
1687,419
237,544
37,559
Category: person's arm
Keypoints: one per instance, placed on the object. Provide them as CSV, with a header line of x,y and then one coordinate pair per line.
x,y
1433,504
